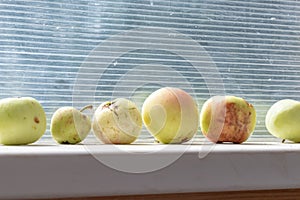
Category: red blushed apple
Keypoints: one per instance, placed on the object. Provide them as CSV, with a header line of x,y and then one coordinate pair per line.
x,y
227,119
171,115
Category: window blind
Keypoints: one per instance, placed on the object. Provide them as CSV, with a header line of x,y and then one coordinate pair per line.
x,y
78,52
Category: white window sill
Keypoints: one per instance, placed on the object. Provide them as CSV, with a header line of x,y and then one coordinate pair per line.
x,y
48,170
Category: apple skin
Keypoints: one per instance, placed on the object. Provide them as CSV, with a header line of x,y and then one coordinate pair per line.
x,y
117,122
227,119
171,115
282,120
22,121
69,126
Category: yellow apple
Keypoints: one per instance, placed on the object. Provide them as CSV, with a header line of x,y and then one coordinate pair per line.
x,y
117,122
22,121
171,115
69,125
227,119
283,120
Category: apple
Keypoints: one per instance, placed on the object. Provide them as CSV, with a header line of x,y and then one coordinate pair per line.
x,y
117,122
227,119
22,121
282,120
171,115
69,125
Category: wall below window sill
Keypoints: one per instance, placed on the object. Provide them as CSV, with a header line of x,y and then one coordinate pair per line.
x,y
46,170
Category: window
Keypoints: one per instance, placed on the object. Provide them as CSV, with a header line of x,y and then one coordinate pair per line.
x,y
79,52
71,52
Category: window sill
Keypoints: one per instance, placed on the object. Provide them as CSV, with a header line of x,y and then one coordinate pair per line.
x,y
46,170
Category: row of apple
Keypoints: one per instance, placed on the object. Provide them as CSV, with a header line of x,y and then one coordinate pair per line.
x,y
170,114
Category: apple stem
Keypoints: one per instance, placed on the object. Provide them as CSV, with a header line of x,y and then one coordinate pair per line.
x,y
283,141
86,107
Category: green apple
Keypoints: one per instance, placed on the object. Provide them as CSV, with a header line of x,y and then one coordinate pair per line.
x,y
69,125
282,120
22,121
227,119
117,122
171,115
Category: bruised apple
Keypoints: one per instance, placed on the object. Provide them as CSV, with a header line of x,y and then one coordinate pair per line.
x,y
282,120
22,121
227,119
117,122
69,125
171,115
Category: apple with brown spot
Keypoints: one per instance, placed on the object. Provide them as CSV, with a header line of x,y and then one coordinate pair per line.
x,y
69,125
22,121
227,119
117,122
